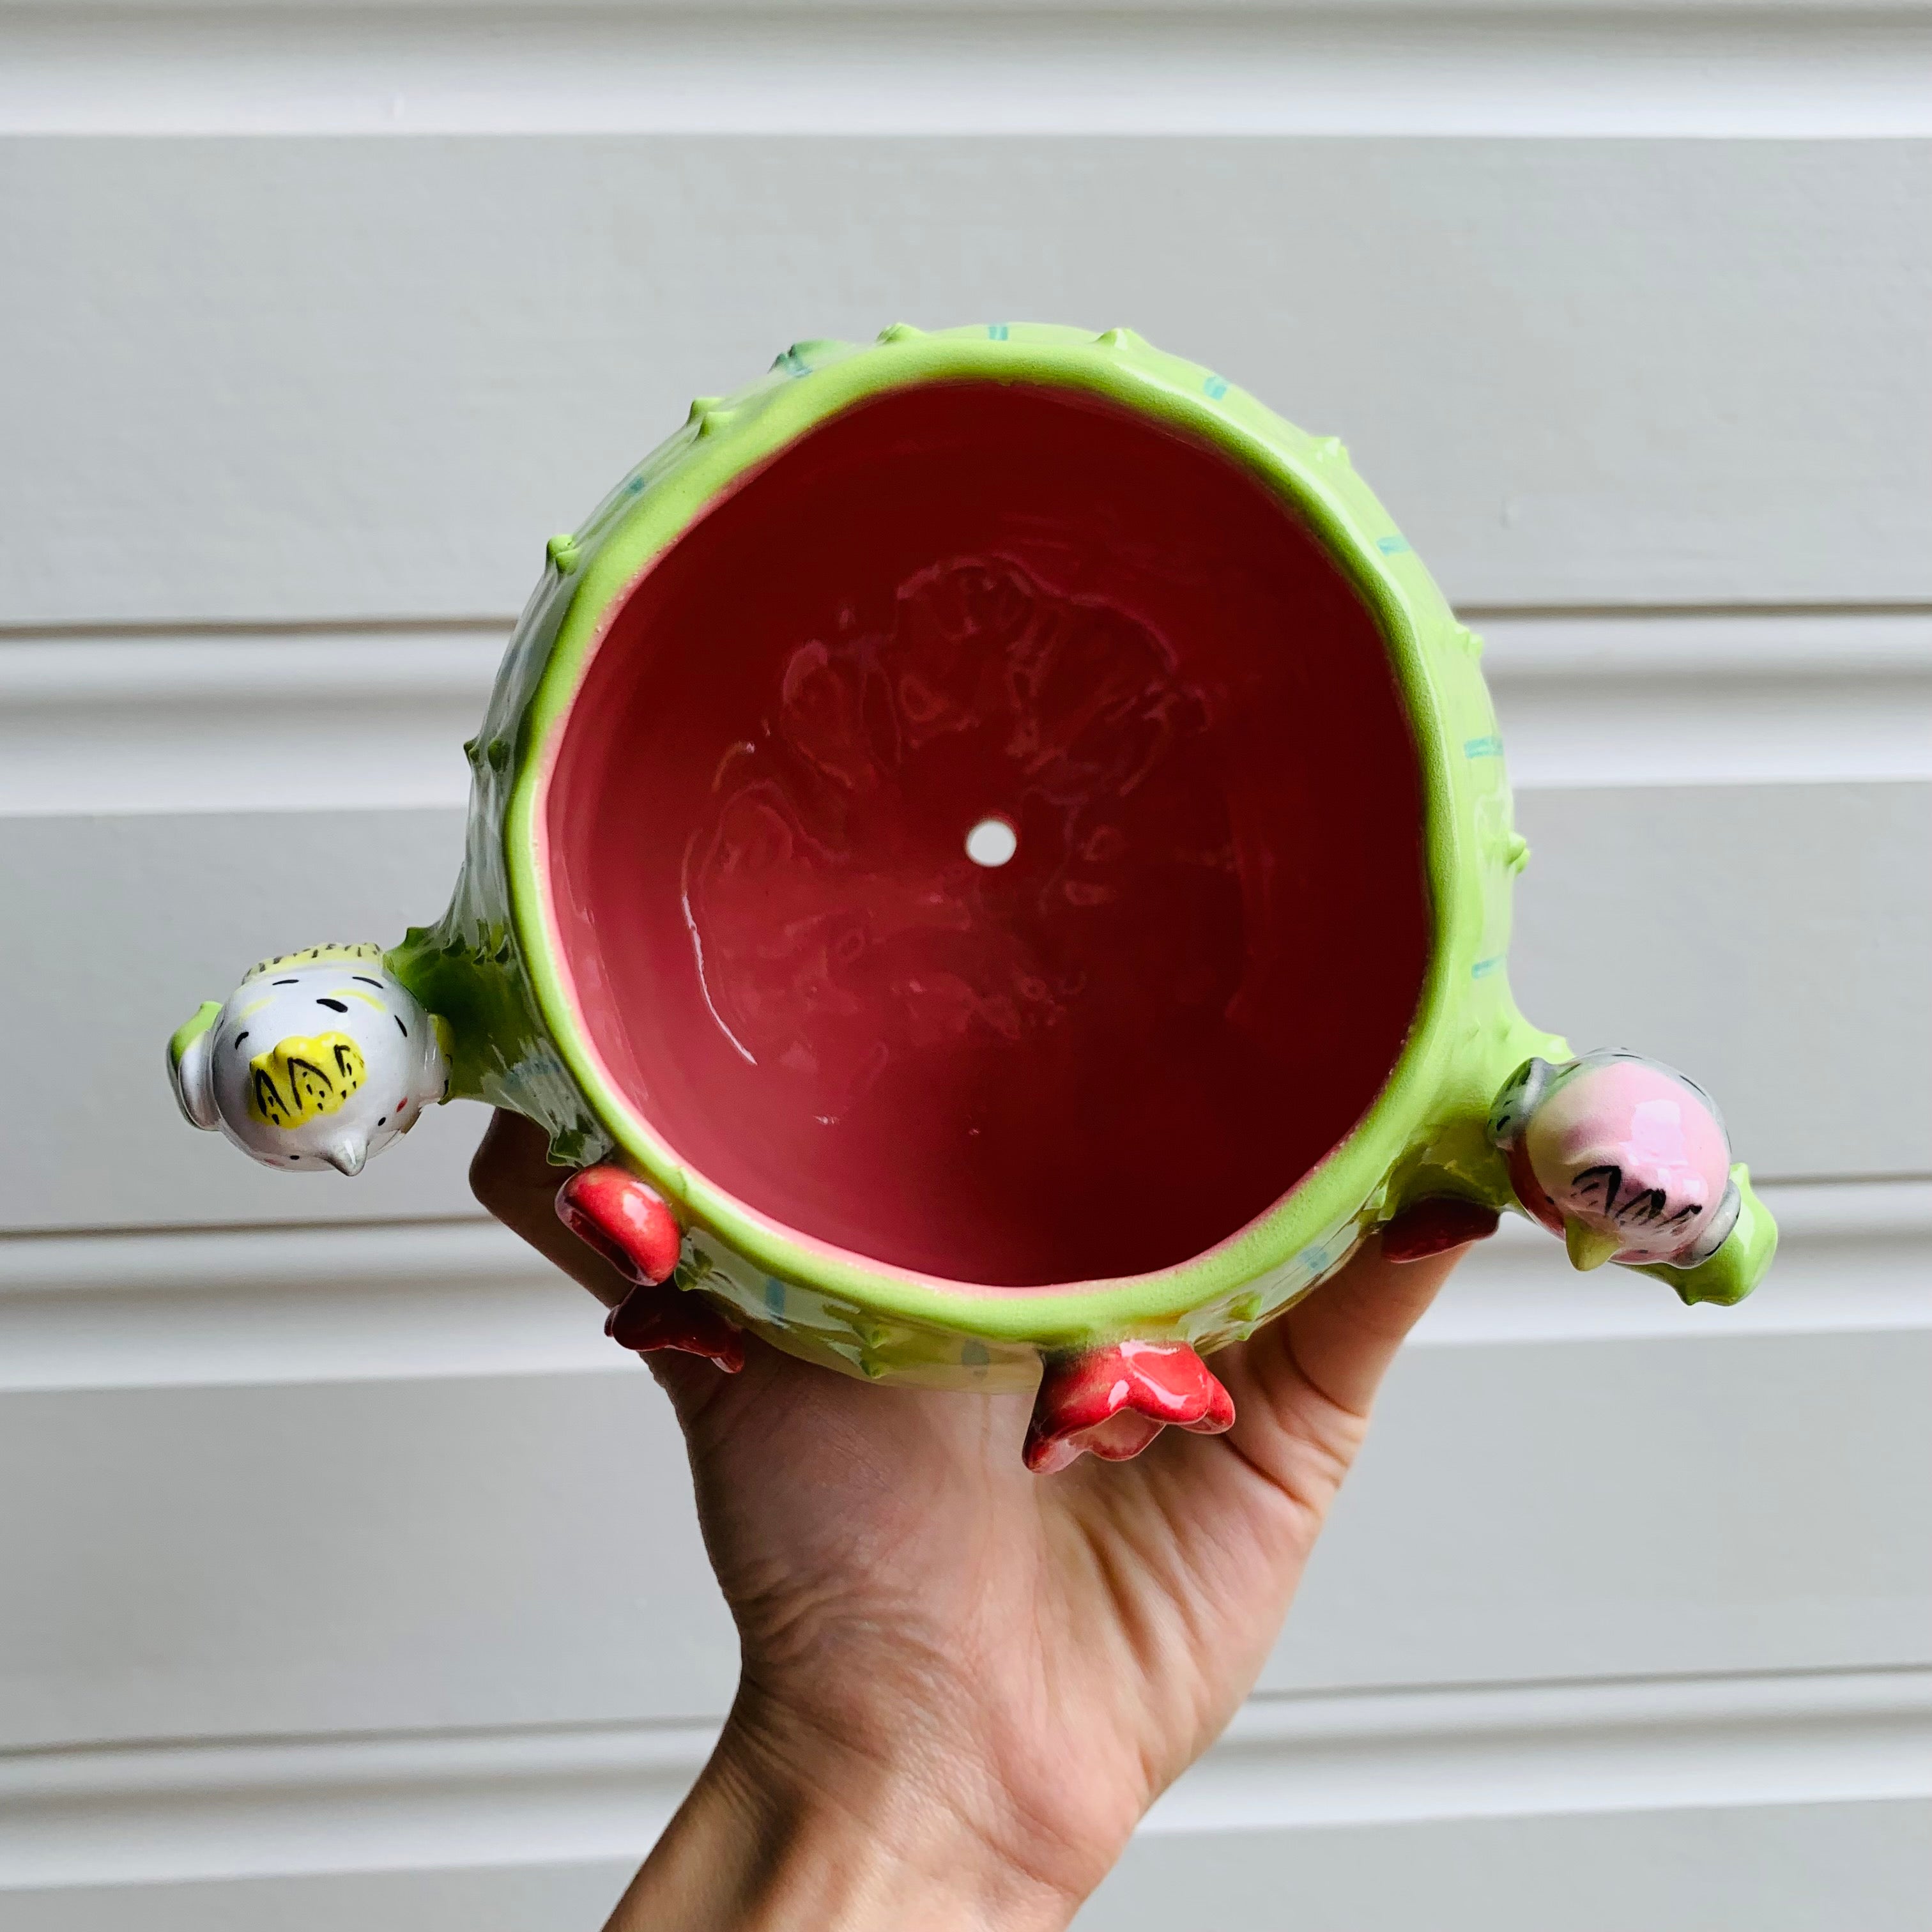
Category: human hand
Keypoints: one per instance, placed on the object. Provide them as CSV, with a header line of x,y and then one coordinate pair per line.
x,y
961,1684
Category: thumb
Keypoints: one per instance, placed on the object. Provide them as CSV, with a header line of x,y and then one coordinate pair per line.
x,y
512,1176
1341,1340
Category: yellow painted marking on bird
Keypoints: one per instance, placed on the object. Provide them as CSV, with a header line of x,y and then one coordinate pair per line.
x,y
299,1078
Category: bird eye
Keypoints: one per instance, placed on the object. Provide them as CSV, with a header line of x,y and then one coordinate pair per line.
x,y
334,1005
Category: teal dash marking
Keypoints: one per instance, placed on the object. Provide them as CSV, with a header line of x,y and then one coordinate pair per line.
x,y
973,1355
1214,388
997,330
775,1294
1484,968
1392,546
1491,747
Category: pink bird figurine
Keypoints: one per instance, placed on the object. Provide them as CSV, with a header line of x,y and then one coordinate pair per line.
x,y
1623,1157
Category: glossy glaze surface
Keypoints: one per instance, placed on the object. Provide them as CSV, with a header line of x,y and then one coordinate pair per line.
x,y
969,602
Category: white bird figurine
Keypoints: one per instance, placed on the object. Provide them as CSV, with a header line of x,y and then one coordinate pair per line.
x,y
318,1059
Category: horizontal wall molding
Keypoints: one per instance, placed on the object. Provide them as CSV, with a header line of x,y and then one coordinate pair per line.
x,y
1852,1256
129,1815
289,721
1526,1750
403,1301
1594,374
299,719
1678,698
1811,70
219,1307
153,1814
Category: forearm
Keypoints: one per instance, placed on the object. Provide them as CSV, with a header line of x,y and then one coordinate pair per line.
x,y
758,1846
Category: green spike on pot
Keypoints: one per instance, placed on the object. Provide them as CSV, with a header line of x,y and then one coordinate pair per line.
x,y
709,413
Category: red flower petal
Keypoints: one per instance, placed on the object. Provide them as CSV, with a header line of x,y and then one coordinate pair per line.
x,y
1112,1403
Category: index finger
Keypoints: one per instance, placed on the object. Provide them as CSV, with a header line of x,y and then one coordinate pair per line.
x,y
512,1175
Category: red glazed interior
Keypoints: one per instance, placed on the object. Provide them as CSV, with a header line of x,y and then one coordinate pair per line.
x,y
971,601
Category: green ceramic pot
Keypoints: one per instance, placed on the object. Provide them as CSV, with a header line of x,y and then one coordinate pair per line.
x,y
989,845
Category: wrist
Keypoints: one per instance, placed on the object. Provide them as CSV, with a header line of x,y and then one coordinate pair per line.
x,y
788,1830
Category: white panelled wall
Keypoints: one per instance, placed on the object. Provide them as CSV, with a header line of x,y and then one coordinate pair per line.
x,y
347,1575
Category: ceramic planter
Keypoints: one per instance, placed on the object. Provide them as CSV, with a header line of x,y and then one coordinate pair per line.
x,y
989,846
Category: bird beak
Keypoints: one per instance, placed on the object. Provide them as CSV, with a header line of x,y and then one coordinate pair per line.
x,y
347,1157
1589,1247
